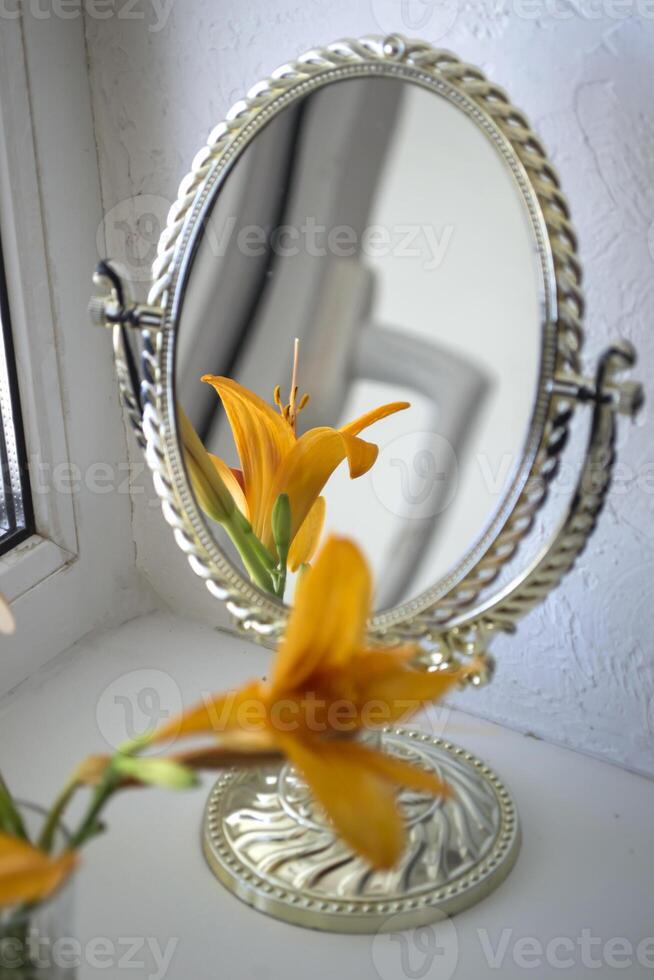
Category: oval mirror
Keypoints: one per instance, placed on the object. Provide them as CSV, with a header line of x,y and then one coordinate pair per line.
x,y
365,318
380,237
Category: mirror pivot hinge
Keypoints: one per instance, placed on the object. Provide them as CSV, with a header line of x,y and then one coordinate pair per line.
x,y
574,386
114,306
625,396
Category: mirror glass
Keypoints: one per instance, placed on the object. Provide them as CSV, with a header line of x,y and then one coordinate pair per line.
x,y
381,226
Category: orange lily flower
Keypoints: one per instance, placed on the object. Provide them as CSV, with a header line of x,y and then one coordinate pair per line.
x,y
276,461
327,682
28,874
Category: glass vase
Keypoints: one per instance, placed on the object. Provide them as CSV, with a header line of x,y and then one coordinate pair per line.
x,y
37,940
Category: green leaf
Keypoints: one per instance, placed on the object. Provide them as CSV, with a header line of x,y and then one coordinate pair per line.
x,y
11,821
94,829
155,772
281,528
212,494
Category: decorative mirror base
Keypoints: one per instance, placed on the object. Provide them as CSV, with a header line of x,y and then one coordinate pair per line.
x,y
267,841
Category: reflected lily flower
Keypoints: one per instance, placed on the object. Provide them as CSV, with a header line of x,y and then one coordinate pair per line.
x,y
328,684
275,461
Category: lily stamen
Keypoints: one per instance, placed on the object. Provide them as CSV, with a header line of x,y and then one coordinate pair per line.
x,y
292,409
277,397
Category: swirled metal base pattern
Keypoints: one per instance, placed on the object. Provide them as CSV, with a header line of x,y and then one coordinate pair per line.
x,y
269,843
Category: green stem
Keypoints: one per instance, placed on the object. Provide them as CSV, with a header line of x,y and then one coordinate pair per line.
x,y
88,826
281,584
53,820
254,556
281,531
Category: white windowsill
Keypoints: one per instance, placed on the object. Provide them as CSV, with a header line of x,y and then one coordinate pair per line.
x,y
29,564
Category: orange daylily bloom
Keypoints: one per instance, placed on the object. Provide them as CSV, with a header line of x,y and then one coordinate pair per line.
x,y
28,874
274,460
327,682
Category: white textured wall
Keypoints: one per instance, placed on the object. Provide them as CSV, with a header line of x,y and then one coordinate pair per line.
x,y
581,670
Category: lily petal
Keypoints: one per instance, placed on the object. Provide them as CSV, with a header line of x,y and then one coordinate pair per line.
x,y
234,749
28,874
352,680
381,688
213,496
233,484
328,620
306,540
262,440
369,418
406,691
360,801
361,455
305,470
219,714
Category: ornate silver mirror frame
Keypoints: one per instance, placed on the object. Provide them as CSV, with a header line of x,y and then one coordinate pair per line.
x,y
457,617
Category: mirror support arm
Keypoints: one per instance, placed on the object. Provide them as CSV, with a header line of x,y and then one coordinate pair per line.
x,y
469,636
113,308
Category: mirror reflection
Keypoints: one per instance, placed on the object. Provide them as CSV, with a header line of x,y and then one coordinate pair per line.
x,y
359,344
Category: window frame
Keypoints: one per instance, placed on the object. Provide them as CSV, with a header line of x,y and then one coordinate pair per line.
x,y
53,543
11,539
77,573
